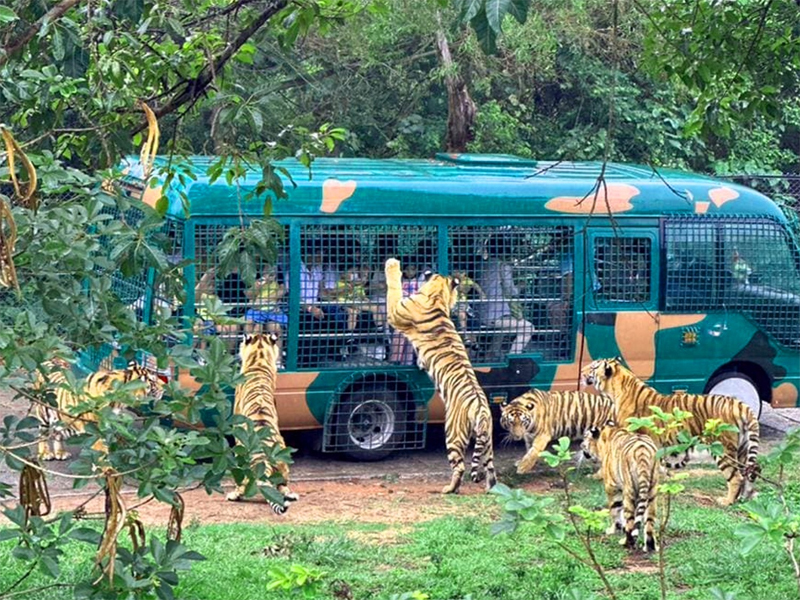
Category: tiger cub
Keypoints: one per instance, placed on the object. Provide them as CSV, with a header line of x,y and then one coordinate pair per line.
x,y
630,472
634,398
255,399
424,318
60,422
539,417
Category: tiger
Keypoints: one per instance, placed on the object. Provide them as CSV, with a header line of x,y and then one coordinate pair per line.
x,y
255,399
630,472
59,423
633,398
424,319
539,417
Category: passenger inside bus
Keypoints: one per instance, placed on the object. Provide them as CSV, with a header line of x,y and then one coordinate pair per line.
x,y
496,280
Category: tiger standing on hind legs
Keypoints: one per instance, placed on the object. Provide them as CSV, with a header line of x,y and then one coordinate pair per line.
x,y
255,399
634,398
424,319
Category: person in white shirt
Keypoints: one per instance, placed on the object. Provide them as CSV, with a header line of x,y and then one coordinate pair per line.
x,y
497,282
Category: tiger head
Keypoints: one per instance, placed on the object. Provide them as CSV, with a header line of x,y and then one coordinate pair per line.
x,y
259,348
441,290
602,374
517,416
153,384
591,444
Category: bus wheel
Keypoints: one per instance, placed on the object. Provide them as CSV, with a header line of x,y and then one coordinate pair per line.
x,y
739,386
368,420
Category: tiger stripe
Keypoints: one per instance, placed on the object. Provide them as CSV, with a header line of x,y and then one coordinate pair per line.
x,y
424,319
630,476
633,397
539,417
255,399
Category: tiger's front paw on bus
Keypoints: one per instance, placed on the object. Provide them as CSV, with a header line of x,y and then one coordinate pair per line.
x,y
392,269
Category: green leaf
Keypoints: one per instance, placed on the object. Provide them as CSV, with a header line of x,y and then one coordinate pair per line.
x,y
8,534
85,534
7,15
49,566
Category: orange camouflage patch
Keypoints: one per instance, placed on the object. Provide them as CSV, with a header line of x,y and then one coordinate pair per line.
x,y
721,195
334,192
151,195
785,395
635,333
615,197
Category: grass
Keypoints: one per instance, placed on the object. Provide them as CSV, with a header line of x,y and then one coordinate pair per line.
x,y
455,557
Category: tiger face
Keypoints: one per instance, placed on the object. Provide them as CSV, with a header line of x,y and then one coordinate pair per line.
x,y
441,288
260,347
601,372
516,417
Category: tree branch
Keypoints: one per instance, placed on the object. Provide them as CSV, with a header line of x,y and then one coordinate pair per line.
x,y
54,14
194,88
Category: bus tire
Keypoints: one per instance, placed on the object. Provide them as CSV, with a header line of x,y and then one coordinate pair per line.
x,y
739,386
368,420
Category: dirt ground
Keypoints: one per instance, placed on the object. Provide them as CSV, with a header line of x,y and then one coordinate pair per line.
x,y
404,488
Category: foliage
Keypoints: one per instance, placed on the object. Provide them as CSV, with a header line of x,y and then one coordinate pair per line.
x,y
72,79
297,578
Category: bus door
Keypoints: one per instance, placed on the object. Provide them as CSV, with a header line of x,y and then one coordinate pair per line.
x,y
620,278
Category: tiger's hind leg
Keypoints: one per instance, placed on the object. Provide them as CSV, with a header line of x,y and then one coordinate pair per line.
x,y
283,488
727,463
483,460
628,511
614,496
236,494
456,449
44,446
58,448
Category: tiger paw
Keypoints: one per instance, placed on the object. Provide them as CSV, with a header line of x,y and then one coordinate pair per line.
x,y
392,269
233,496
477,475
450,489
47,456
62,455
291,497
724,501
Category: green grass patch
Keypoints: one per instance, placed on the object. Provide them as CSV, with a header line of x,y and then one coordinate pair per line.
x,y
455,557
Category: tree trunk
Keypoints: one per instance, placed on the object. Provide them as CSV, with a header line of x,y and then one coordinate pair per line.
x,y
460,107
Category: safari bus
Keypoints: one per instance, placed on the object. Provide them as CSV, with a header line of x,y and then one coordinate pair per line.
x,y
694,282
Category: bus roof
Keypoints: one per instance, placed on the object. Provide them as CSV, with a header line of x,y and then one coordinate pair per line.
x,y
460,185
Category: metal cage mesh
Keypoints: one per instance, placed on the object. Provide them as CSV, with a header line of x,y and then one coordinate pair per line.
x,y
374,412
622,269
735,265
517,284
343,292
260,307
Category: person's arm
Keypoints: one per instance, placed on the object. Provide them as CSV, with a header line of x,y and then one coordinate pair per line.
x,y
507,281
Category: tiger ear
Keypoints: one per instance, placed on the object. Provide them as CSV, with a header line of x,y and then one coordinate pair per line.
x,y
455,282
274,337
609,371
132,364
427,274
248,339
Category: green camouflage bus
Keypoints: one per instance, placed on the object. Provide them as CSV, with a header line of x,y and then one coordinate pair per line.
x,y
694,282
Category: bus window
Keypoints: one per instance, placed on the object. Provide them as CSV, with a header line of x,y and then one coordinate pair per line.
x,y
622,268
692,281
518,290
343,292
761,277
